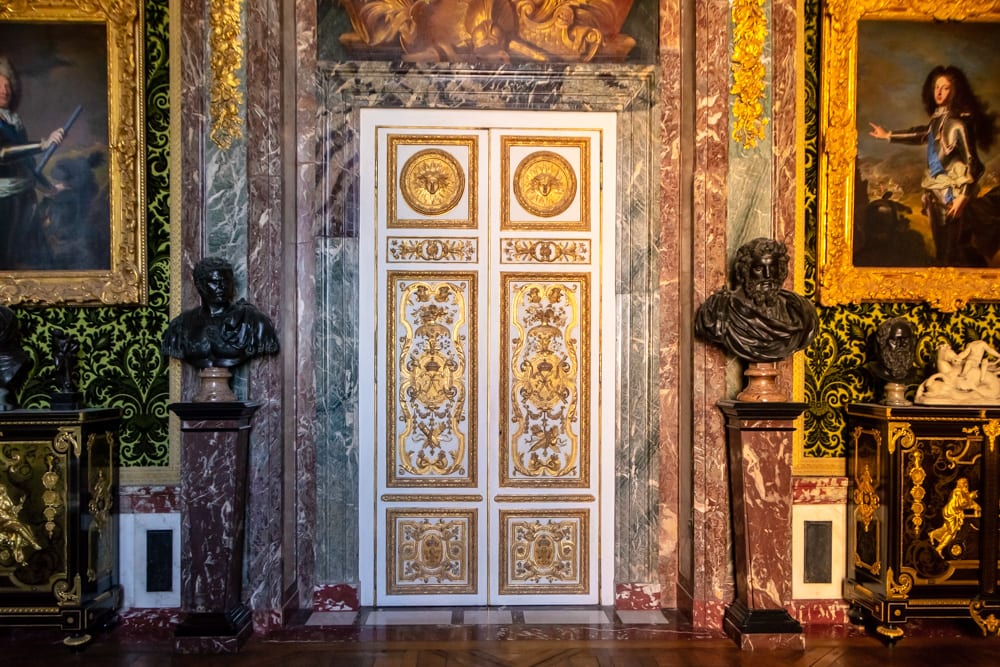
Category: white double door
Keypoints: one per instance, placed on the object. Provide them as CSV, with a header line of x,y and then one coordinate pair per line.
x,y
487,357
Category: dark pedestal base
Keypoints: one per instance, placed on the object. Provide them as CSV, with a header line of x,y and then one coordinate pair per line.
x,y
214,459
756,629
213,632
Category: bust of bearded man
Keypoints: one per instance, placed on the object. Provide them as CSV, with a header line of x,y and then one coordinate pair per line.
x,y
757,320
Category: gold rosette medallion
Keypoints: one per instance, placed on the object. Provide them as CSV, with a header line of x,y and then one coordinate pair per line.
x,y
432,182
544,184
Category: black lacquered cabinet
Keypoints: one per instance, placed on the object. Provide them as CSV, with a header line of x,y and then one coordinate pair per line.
x,y
922,514
59,520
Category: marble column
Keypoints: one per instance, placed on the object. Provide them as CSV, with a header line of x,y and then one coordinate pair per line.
x,y
215,440
759,439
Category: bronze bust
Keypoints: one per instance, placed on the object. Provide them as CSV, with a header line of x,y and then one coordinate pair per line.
x,y
218,333
757,320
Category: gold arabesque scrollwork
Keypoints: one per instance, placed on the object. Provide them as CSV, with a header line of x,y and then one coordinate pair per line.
x,y
431,551
543,553
898,589
433,412
988,623
432,250
901,435
545,251
546,400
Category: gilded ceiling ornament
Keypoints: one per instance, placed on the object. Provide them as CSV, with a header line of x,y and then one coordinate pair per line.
x,y
489,30
432,182
749,73
227,60
544,184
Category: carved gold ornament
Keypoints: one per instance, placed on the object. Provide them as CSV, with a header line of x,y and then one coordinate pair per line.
x,y
15,536
749,73
66,595
52,496
961,501
992,430
898,589
431,551
865,498
432,182
543,553
431,412
545,251
226,40
433,250
989,624
548,176
544,184
425,172
917,492
900,434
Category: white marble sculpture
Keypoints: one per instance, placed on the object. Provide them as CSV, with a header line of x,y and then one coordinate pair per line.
x,y
971,377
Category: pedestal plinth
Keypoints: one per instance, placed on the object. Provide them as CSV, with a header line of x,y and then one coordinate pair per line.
x,y
214,453
759,439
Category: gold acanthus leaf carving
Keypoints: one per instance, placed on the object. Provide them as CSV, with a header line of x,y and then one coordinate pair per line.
x,y
227,60
749,73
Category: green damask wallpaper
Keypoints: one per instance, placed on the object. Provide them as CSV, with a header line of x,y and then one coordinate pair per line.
x,y
119,362
835,375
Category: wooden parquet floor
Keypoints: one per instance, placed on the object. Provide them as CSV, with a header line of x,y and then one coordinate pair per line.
x,y
363,643
853,652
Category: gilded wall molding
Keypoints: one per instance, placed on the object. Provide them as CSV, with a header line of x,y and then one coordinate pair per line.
x,y
226,42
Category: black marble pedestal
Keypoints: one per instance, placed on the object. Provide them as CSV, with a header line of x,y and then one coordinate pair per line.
x,y
214,457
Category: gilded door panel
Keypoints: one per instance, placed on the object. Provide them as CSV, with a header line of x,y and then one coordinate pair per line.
x,y
545,552
431,551
545,383
435,181
546,182
431,413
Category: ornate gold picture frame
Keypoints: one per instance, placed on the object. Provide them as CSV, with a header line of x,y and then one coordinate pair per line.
x,y
76,234
888,227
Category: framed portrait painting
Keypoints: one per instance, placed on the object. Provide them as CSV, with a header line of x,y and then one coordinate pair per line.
x,y
72,153
909,203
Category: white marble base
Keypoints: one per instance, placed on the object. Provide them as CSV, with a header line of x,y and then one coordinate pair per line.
x,y
132,555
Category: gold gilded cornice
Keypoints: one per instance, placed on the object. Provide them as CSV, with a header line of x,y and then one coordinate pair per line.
x,y
749,73
226,43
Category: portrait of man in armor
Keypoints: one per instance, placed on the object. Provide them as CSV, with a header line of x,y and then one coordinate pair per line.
x,y
927,122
